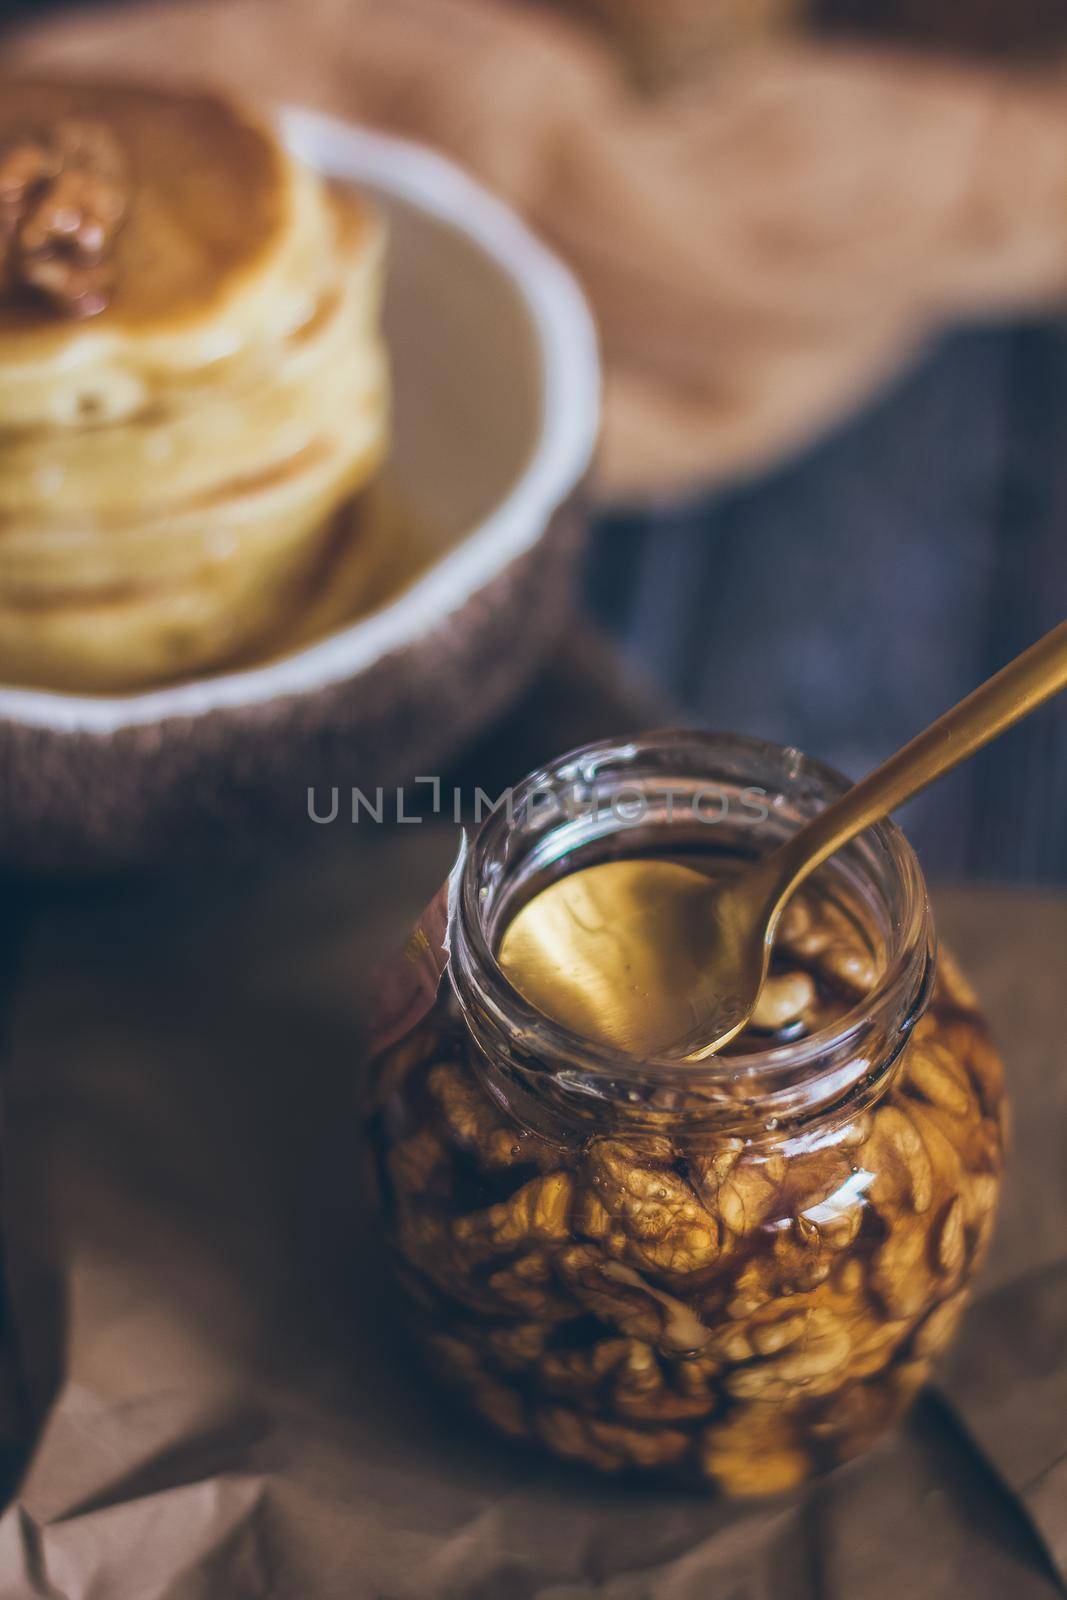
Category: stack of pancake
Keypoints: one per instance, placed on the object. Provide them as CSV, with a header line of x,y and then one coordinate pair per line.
x,y
179,455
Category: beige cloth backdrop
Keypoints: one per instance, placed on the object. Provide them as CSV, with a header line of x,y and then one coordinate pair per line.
x,y
764,245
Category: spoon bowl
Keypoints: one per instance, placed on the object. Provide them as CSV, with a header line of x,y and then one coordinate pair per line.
x,y
648,956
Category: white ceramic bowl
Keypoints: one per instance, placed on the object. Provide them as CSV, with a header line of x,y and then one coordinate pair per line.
x,y
497,399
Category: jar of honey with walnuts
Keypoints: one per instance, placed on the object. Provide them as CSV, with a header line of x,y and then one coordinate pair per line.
x,y
736,1269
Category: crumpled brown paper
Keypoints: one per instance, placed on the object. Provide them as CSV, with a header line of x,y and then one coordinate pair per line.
x,y
765,242
237,1416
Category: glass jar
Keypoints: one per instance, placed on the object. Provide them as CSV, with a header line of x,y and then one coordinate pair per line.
x,y
739,1269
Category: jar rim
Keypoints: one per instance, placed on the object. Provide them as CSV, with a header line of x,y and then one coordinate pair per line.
x,y
902,987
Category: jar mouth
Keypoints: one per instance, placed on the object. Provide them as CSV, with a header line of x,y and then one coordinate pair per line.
x,y
553,823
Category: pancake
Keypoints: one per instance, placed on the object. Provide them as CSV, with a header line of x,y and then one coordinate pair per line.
x,y
268,543
354,559
250,515
215,201
187,439
171,467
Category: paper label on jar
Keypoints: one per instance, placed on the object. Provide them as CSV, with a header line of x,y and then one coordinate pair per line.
x,y
406,984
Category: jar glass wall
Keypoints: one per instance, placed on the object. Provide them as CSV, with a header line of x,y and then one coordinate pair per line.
x,y
737,1270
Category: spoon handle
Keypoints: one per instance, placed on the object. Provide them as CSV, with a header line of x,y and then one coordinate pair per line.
x,y
1007,697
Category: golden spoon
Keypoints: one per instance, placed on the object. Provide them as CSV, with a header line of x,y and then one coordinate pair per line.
x,y
657,959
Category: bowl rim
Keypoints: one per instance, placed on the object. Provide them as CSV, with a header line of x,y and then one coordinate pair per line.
x,y
570,417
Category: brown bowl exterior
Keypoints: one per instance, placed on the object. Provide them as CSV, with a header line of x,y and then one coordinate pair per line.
x,y
236,778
